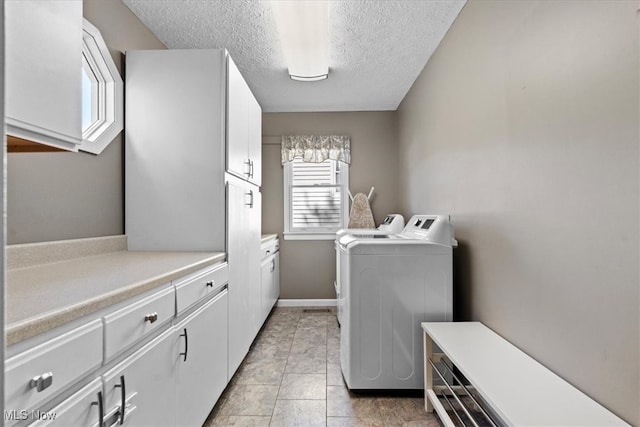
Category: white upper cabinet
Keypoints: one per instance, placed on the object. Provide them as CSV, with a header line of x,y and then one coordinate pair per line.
x,y
43,71
255,140
188,123
244,128
174,168
63,88
237,133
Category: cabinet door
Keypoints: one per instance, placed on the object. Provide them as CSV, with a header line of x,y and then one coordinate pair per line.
x,y
237,116
80,409
266,281
255,140
238,199
44,66
144,384
270,284
275,281
254,228
201,374
174,168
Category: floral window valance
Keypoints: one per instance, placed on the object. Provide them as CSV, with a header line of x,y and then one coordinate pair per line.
x,y
316,149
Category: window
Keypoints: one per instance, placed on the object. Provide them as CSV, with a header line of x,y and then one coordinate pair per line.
x,y
315,199
102,93
89,96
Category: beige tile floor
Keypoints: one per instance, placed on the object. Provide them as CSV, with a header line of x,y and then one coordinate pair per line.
x,y
292,377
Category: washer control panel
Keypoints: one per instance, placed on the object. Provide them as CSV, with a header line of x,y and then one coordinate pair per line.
x,y
393,223
434,228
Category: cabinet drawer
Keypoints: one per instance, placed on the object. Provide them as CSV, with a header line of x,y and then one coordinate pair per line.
x,y
56,363
200,284
127,325
80,409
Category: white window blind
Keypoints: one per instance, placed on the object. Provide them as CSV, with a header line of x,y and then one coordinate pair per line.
x,y
316,190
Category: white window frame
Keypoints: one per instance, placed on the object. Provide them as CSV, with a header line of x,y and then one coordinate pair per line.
x,y
315,233
110,92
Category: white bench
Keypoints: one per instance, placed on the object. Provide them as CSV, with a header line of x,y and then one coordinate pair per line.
x,y
511,388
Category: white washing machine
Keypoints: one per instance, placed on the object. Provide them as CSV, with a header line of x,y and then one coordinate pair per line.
x,y
390,283
392,224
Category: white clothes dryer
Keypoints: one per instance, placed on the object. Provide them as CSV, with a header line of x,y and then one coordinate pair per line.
x,y
393,223
390,283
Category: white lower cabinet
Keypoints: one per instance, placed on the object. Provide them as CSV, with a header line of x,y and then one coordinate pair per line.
x,y
165,374
140,391
80,409
253,265
270,284
201,366
177,378
39,374
243,253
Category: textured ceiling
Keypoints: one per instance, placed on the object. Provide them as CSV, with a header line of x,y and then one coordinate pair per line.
x,y
377,48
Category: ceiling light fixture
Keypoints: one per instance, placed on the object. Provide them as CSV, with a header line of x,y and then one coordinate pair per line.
x,y
303,26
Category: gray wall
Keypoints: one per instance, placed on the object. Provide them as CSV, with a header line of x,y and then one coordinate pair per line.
x,y
307,268
524,127
57,196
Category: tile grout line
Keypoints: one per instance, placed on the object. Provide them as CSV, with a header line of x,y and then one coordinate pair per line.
x,y
326,372
284,370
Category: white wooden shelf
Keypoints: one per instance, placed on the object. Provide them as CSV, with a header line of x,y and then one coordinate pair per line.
x,y
516,389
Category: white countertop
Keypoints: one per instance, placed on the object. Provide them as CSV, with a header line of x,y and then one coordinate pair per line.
x,y
43,296
267,237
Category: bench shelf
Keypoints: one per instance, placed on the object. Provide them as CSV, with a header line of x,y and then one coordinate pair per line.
x,y
498,384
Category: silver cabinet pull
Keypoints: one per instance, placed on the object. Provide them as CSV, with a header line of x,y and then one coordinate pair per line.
x,y
210,284
152,317
248,172
273,266
100,404
41,382
250,194
123,398
250,168
186,345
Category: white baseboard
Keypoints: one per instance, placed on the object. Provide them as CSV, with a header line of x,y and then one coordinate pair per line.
x,y
306,303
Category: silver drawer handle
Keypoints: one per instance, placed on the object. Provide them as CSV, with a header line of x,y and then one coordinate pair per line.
x,y
41,382
250,194
151,317
210,284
